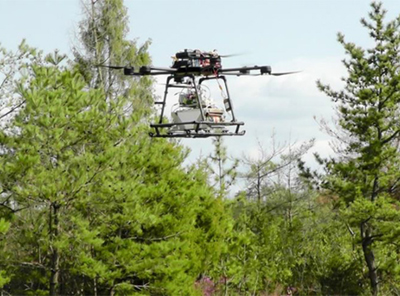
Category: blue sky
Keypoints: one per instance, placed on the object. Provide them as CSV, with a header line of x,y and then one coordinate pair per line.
x,y
286,34
272,30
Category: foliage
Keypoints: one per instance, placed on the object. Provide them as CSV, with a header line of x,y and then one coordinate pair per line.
x,y
91,205
15,67
4,226
103,41
272,169
97,204
365,177
222,169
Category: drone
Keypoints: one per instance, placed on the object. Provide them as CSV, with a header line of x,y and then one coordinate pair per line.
x,y
196,115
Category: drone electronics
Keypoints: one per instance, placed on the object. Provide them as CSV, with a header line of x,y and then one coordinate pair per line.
x,y
196,115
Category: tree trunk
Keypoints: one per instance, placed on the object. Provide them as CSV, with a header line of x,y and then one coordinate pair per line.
x,y
95,286
55,258
369,258
258,185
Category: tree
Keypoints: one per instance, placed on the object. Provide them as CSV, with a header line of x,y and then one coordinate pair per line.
x,y
43,164
4,226
223,176
15,69
13,66
267,236
103,41
99,208
366,176
272,169
142,206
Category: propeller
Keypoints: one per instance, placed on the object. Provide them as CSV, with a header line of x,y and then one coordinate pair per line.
x,y
243,71
231,55
272,74
284,73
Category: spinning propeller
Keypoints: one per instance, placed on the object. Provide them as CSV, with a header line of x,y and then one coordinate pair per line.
x,y
198,63
198,71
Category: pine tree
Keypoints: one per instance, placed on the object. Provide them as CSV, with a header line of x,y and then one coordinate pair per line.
x,y
365,177
48,159
4,226
223,173
97,206
101,208
267,226
14,65
153,206
102,42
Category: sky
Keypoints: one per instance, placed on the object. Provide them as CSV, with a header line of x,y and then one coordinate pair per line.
x,y
287,35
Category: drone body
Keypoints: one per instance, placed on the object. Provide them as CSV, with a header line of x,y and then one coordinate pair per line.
x,y
196,115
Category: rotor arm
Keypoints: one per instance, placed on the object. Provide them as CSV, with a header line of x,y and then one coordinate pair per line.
x,y
143,71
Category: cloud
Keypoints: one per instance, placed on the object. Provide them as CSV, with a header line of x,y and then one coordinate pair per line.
x,y
321,147
288,103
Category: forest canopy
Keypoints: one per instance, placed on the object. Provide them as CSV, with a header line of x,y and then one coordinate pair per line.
x,y
91,205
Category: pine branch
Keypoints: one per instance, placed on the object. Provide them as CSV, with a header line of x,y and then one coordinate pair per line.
x,y
163,238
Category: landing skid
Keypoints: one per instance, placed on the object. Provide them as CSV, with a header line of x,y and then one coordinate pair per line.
x,y
201,129
198,124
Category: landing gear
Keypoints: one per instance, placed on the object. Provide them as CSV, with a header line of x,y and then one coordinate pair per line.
x,y
195,115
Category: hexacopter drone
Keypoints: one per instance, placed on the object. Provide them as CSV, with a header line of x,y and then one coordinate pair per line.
x,y
196,115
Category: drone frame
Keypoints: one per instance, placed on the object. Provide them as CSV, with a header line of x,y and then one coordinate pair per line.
x,y
191,65
200,128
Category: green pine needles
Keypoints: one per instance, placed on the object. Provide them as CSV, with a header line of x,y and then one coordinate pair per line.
x,y
365,177
91,205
